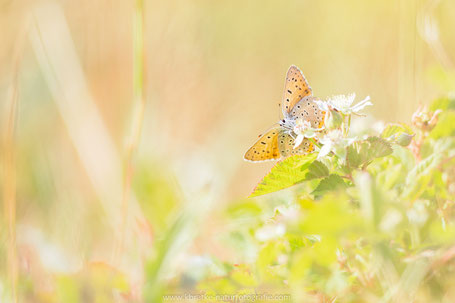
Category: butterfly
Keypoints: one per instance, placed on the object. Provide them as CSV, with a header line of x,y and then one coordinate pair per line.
x,y
297,103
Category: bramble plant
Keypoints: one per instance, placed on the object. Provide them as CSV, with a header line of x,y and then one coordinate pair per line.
x,y
366,218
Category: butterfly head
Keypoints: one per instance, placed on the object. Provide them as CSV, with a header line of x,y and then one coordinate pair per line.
x,y
288,123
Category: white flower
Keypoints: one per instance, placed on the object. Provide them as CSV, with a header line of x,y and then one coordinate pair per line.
x,y
334,141
270,231
323,105
343,104
304,130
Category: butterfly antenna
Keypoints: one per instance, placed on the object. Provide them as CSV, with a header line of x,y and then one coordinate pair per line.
x,y
279,110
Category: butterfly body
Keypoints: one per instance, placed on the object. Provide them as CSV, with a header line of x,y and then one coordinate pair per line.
x,y
298,103
305,109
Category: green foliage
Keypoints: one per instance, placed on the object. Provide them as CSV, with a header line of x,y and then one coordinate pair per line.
x,y
330,183
445,103
287,173
361,153
445,126
401,134
372,224
317,170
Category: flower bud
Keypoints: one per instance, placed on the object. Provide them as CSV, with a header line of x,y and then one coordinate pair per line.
x,y
333,119
404,139
425,119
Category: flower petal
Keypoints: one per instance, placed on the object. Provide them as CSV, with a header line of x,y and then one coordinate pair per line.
x,y
324,106
310,133
342,103
361,105
298,140
325,150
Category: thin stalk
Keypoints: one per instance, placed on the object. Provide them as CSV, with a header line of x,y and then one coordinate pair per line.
x,y
343,125
315,142
9,188
138,112
349,125
9,168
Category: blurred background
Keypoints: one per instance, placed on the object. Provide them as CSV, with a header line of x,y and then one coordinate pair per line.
x,y
124,114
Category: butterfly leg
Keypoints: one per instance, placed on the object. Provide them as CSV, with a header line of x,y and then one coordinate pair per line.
x,y
290,134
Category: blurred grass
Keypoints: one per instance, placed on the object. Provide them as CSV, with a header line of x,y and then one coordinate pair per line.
x,y
137,115
9,184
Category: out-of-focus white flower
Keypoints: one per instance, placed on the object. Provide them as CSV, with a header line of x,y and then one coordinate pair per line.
x,y
390,220
288,213
418,214
378,126
334,141
270,231
343,104
304,130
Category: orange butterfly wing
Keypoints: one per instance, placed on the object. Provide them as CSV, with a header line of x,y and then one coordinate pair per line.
x,y
266,148
308,110
286,146
277,143
296,87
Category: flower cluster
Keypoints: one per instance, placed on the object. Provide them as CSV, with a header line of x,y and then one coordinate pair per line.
x,y
343,104
304,130
332,136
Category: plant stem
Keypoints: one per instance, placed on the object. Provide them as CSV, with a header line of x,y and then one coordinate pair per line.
x,y
8,159
315,142
346,126
9,192
138,112
349,177
349,125
343,125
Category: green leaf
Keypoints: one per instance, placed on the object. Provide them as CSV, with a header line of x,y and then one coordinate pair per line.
x,y
243,277
354,156
445,126
362,152
246,208
394,128
378,147
420,177
424,167
401,134
444,103
285,174
316,170
444,78
333,216
331,183
267,258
